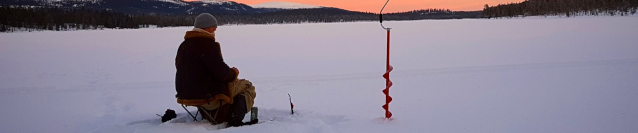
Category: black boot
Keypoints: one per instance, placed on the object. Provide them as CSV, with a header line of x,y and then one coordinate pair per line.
x,y
238,111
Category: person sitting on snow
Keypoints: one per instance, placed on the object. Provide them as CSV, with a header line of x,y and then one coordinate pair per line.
x,y
203,74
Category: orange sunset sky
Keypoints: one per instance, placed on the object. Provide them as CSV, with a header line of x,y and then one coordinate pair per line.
x,y
394,5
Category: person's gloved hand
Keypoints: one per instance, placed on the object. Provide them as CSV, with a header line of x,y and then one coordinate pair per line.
x,y
236,70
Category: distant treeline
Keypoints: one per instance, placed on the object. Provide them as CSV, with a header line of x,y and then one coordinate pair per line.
x,y
17,18
317,15
432,14
340,15
562,8
31,19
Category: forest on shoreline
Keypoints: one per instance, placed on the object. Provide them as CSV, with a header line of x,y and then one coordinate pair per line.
x,y
14,18
568,8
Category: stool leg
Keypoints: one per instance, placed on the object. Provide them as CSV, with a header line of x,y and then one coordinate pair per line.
x,y
206,113
213,120
189,113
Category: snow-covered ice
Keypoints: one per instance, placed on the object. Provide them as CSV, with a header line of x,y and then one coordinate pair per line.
x,y
505,75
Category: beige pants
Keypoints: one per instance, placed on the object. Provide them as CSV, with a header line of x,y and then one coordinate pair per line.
x,y
238,87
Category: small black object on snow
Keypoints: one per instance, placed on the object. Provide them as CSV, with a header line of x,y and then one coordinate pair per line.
x,y
168,115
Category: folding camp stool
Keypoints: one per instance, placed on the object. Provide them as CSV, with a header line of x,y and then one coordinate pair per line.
x,y
199,103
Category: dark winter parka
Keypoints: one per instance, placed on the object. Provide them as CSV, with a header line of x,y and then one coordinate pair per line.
x,y
201,70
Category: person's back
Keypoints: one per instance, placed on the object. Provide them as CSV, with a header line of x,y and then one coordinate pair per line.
x,y
201,71
203,74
